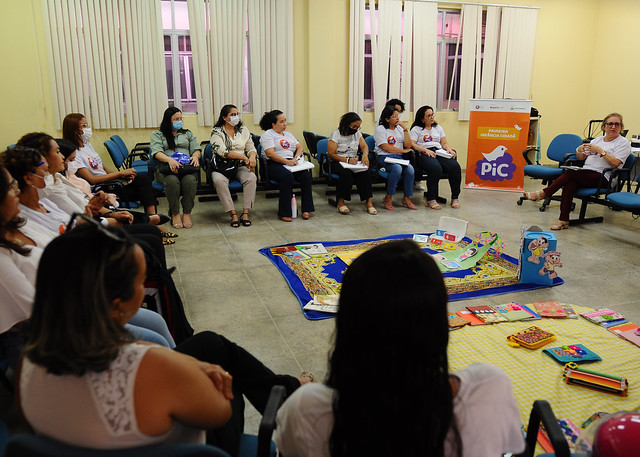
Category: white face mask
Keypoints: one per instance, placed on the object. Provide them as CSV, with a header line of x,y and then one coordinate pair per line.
x,y
86,134
72,168
235,120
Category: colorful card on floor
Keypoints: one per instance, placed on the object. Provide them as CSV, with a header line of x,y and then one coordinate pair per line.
x,y
419,238
550,309
312,306
531,338
312,249
456,321
605,317
512,312
468,315
571,314
534,316
283,249
630,334
577,353
296,255
332,300
486,314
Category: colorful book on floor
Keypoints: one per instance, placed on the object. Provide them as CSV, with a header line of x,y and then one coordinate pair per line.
x,y
605,317
312,249
512,312
296,255
550,309
531,310
617,385
571,314
570,431
468,315
486,314
455,321
577,353
627,331
283,249
531,338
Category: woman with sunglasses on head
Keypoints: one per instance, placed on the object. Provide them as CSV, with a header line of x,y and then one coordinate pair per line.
x,y
86,382
605,152
389,389
392,142
179,151
343,147
235,157
75,128
436,156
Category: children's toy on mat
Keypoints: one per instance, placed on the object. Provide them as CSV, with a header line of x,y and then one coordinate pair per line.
x,y
617,385
531,338
539,257
577,353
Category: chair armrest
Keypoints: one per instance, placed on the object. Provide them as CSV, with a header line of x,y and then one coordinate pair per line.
x,y
542,412
571,156
268,422
525,154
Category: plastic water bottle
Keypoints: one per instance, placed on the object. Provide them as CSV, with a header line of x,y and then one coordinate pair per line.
x,y
294,206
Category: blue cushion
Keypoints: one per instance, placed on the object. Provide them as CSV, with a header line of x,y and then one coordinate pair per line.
x,y
235,185
157,186
542,172
589,192
626,200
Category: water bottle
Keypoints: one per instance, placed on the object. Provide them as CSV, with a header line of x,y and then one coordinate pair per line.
x,y
294,206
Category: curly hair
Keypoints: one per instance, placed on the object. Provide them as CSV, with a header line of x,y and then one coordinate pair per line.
x,y
269,118
20,161
9,226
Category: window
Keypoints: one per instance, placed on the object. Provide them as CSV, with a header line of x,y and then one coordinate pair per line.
x,y
181,86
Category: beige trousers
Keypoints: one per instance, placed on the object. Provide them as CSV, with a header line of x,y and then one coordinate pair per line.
x,y
249,183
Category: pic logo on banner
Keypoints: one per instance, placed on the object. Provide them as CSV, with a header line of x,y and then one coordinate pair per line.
x,y
496,165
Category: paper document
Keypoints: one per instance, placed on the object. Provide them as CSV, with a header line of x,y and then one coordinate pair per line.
x,y
398,161
443,153
357,168
302,165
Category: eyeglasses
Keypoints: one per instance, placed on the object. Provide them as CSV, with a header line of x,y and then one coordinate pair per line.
x,y
613,124
13,186
95,224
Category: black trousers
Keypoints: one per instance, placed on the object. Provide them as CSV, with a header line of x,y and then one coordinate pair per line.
x,y
139,189
250,378
435,168
285,180
347,178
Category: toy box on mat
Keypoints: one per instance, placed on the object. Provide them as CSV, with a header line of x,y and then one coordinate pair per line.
x,y
539,257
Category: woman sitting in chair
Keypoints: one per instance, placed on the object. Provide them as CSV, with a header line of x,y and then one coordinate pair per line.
x,y
281,148
231,144
436,157
389,390
86,382
605,152
343,148
167,143
391,137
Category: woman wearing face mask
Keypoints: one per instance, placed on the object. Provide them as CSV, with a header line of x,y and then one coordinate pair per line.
x,y
343,147
234,151
168,143
75,129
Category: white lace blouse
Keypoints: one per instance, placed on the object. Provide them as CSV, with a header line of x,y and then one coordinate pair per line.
x,y
95,410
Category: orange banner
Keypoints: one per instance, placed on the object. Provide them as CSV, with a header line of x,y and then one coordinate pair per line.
x,y
498,132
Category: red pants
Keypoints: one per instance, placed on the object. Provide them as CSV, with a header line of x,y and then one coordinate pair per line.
x,y
570,181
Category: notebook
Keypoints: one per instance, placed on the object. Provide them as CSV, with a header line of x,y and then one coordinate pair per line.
x,y
605,317
534,316
531,338
617,385
456,321
629,332
486,314
468,315
577,353
550,309
512,312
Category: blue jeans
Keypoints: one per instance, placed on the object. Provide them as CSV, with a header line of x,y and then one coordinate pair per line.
x,y
396,172
148,325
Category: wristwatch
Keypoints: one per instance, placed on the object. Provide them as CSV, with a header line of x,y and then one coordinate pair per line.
x,y
604,153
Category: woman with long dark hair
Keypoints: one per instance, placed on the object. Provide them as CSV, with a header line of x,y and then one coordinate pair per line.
x,y
177,147
389,389
235,157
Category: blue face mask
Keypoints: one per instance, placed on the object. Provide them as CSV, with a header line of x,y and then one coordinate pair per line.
x,y
177,125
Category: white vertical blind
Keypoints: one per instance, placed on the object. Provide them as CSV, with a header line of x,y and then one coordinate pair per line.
x,y
356,57
469,67
425,52
271,56
407,54
492,29
97,47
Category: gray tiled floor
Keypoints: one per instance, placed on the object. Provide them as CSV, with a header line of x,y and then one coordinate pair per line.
x,y
232,289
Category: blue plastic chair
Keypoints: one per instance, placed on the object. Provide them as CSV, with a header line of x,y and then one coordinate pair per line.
x,y
235,186
138,158
373,161
561,148
627,201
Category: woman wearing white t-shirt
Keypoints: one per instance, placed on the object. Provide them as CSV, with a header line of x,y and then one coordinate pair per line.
x,y
281,148
389,389
391,138
608,151
429,140
343,148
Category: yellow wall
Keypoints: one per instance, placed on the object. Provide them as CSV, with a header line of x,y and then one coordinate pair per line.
x,y
585,65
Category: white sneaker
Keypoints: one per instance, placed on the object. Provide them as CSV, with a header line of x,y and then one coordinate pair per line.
x,y
418,186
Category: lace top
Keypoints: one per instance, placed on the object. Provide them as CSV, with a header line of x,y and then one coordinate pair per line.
x,y
95,410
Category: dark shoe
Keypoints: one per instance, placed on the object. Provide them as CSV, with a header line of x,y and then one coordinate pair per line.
x,y
168,241
245,222
163,219
235,222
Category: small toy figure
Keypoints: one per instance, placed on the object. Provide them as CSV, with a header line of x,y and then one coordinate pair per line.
x,y
537,248
552,261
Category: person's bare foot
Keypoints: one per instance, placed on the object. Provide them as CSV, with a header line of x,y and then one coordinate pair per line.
x,y
186,221
176,221
307,377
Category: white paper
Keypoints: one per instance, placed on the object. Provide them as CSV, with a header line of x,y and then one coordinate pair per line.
x,y
443,153
398,161
357,168
302,165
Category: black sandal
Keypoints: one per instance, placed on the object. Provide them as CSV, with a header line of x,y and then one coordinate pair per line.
x,y
168,241
169,235
245,222
235,223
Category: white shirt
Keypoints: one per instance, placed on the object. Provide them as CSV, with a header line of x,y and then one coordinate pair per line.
x,y
305,420
64,194
52,219
619,147
347,145
88,158
284,144
393,138
427,138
